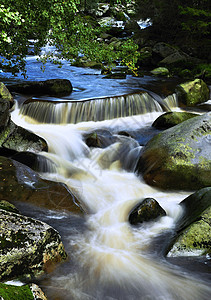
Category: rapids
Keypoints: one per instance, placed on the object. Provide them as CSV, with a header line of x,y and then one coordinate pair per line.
x,y
110,259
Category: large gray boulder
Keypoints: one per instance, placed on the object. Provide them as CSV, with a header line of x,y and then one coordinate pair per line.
x,y
28,247
192,93
179,157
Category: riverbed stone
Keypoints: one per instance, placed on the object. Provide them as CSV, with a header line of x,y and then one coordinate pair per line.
x,y
17,138
171,119
100,138
5,205
19,183
28,247
51,87
149,209
179,157
160,71
192,93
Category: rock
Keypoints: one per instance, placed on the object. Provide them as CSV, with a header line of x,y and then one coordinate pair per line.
x,y
37,293
28,247
19,139
51,87
20,183
192,93
99,139
148,210
101,9
194,226
9,292
171,119
5,94
115,76
161,71
5,205
175,58
163,49
179,157
131,27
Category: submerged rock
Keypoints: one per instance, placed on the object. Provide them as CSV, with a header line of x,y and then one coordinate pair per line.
x,y
171,119
179,157
51,87
148,210
192,93
20,183
194,226
28,247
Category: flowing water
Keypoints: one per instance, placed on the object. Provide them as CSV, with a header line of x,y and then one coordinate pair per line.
x,y
109,259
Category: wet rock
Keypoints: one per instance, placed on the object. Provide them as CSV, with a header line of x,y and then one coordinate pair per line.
x,y
16,138
148,210
192,93
194,227
20,183
37,293
28,247
115,76
179,157
161,71
99,139
51,87
171,119
163,50
5,205
5,94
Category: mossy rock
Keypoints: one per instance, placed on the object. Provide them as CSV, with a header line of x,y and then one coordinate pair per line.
x,y
5,94
171,119
161,71
28,247
20,183
192,93
179,157
5,205
194,226
11,292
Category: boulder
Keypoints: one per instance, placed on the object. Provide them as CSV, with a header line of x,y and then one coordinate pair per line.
x,y
20,183
192,93
26,292
5,94
148,210
99,138
28,247
193,229
163,50
5,205
179,157
16,138
51,87
161,71
175,58
171,119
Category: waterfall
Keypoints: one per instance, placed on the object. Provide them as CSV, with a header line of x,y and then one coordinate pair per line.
x,y
85,110
110,258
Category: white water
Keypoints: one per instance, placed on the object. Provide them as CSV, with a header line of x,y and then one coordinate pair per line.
x,y
112,257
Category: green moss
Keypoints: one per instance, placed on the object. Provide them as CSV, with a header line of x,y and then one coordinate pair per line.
x,y
10,292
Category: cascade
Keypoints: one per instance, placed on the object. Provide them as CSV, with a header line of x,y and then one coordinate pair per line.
x,y
97,109
110,259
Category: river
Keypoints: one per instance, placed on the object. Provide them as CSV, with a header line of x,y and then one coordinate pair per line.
x,y
108,258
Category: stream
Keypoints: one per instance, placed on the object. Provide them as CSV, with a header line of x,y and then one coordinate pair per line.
x,y
109,259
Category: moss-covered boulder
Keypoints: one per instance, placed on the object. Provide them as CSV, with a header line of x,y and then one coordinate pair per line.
x,y
171,119
192,93
51,87
179,157
5,94
194,226
148,210
161,71
5,205
25,292
20,183
28,247
16,138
